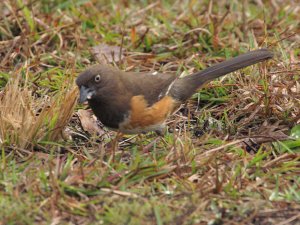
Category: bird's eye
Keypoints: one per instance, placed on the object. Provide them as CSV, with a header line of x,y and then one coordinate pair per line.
x,y
98,78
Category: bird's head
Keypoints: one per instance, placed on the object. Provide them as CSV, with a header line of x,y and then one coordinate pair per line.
x,y
95,82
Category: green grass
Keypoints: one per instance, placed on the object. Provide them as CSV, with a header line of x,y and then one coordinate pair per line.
x,y
226,157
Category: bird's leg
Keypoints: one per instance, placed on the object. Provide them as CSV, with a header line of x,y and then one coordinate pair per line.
x,y
147,148
160,133
115,144
140,140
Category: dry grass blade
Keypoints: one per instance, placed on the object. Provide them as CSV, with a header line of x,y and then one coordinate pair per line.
x,y
56,116
16,119
227,157
21,123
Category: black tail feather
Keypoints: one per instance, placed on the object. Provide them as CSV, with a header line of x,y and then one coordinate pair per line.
x,y
183,88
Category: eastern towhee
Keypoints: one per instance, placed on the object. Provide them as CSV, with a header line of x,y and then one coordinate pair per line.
x,y
131,102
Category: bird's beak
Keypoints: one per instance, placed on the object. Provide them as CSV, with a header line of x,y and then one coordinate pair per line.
x,y
85,94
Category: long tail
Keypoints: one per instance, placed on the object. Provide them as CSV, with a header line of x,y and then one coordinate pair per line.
x,y
185,87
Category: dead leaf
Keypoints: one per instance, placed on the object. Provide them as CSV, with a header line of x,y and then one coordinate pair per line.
x,y
104,53
89,122
195,178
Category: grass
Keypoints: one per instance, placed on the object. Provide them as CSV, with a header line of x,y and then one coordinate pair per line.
x,y
227,157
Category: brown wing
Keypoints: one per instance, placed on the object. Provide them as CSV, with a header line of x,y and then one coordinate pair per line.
x,y
151,85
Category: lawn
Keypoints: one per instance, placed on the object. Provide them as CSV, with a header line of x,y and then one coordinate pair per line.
x,y
230,155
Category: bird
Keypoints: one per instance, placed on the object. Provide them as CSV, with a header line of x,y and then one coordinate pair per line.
x,y
141,102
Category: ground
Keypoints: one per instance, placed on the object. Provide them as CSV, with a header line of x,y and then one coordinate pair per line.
x,y
230,155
